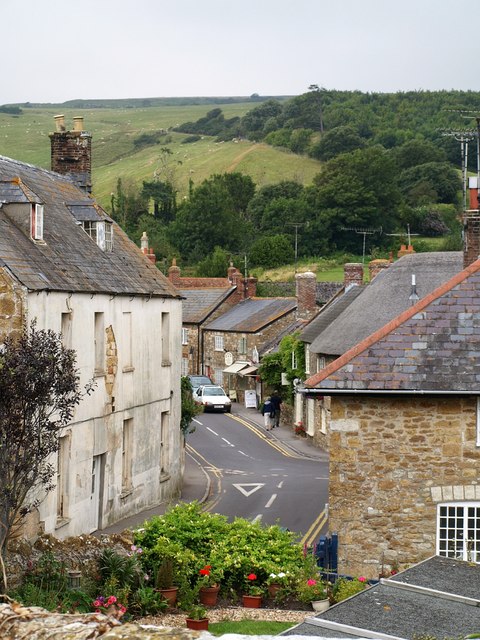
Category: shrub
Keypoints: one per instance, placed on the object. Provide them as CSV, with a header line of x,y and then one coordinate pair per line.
x,y
343,588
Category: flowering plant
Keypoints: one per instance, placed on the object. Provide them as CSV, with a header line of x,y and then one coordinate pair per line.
x,y
311,590
210,577
299,428
282,578
109,606
252,588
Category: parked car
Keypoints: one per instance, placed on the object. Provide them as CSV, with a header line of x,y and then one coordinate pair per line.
x,y
213,398
197,381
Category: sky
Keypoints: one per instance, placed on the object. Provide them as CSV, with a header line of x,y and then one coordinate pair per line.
x,y
53,51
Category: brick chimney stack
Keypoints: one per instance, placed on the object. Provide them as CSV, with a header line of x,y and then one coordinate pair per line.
x,y
375,266
250,287
145,248
471,237
306,291
174,273
352,274
71,152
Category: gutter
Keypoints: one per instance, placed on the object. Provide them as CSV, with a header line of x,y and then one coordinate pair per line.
x,y
390,392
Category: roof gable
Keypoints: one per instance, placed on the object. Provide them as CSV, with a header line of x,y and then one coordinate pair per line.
x,y
198,304
433,346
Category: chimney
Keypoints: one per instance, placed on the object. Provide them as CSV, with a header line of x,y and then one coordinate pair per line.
x,y
145,248
471,237
352,274
71,152
404,250
250,287
306,292
174,273
375,266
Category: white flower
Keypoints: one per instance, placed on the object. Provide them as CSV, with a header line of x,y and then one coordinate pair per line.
x,y
281,574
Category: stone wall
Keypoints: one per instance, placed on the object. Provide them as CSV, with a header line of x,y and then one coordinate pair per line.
x,y
12,305
392,460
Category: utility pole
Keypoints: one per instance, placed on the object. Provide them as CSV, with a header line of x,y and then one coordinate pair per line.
x,y
296,225
365,233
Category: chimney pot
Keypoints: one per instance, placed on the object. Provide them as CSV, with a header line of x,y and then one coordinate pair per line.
x,y
78,123
59,122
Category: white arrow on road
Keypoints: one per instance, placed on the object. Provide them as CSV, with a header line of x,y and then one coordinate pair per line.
x,y
248,492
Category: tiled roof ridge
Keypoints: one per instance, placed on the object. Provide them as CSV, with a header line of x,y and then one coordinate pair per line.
x,y
393,324
37,168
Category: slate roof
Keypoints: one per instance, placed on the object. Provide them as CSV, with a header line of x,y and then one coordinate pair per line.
x,y
252,314
435,604
330,313
433,346
385,298
200,303
68,260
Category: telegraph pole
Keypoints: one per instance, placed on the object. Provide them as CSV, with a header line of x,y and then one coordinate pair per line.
x,y
365,233
296,225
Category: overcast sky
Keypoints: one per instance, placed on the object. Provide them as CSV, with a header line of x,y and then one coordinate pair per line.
x,y
52,51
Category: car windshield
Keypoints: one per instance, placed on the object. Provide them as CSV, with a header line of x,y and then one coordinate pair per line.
x,y
213,391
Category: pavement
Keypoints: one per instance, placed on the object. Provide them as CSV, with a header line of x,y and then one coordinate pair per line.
x,y
196,482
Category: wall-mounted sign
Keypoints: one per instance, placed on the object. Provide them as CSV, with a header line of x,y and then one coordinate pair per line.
x,y
228,358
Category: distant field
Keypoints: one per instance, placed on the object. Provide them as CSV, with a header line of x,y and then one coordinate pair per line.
x,y
25,138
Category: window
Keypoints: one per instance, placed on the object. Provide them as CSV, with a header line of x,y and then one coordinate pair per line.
x,y
164,421
66,330
294,360
127,443
99,344
184,367
127,336
101,232
165,339
307,358
90,229
218,376
242,345
108,236
218,343
320,363
184,336
63,457
458,531
37,222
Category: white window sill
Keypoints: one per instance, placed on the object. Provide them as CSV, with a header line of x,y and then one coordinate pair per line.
x,y
126,493
61,522
166,363
128,369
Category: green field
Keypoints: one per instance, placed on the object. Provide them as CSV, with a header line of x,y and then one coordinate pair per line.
x,y
25,138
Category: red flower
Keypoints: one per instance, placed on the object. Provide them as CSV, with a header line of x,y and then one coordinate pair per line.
x,y
251,576
205,572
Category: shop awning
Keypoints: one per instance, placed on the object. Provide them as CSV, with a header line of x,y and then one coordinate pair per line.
x,y
236,367
249,371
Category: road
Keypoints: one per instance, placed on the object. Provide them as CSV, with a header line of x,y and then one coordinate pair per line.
x,y
257,477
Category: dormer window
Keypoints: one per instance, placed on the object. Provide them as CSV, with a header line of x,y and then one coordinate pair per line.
x,y
36,222
101,232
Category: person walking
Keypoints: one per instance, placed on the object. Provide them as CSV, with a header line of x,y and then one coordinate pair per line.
x,y
268,413
277,407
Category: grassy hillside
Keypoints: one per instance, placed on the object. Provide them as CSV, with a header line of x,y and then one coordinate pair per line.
x,y
114,131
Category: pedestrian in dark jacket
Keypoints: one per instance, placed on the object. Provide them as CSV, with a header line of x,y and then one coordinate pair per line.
x,y
268,413
277,407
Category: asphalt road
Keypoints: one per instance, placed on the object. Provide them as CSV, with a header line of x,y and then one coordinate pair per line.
x,y
256,476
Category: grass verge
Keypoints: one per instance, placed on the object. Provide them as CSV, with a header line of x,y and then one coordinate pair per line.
x,y
248,627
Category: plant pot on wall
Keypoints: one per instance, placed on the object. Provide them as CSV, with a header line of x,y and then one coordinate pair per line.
x,y
197,625
208,596
252,602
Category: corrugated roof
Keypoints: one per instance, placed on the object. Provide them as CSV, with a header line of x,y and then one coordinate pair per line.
x,y
252,314
69,260
389,610
200,303
385,298
433,346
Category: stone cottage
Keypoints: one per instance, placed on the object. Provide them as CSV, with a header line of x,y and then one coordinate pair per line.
x,y
65,263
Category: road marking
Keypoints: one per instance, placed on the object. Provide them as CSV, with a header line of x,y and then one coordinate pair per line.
x,y
274,444
227,442
212,431
248,492
270,502
198,421
315,529
257,518
280,485
243,454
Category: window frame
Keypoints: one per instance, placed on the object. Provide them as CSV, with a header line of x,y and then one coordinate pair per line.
x,y
36,223
461,548
218,343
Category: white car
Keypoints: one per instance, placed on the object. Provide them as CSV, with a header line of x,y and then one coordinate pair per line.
x,y
213,398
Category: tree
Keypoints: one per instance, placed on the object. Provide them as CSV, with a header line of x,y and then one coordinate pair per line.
x,y
272,251
430,182
336,141
39,389
189,408
214,265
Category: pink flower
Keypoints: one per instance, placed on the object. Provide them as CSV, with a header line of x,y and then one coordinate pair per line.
x,y
362,579
311,582
97,603
111,600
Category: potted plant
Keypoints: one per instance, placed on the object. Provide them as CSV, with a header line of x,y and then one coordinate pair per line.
x,y
164,581
315,591
197,618
276,582
209,583
253,592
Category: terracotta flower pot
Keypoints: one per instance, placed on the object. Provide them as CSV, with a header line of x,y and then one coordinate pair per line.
x,y
252,602
197,625
273,589
208,596
170,595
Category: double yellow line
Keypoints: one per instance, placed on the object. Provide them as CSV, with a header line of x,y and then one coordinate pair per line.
x,y
273,443
315,530
216,472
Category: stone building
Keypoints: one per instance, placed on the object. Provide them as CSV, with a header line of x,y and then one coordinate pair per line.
x,y
204,299
404,434
65,263
357,311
